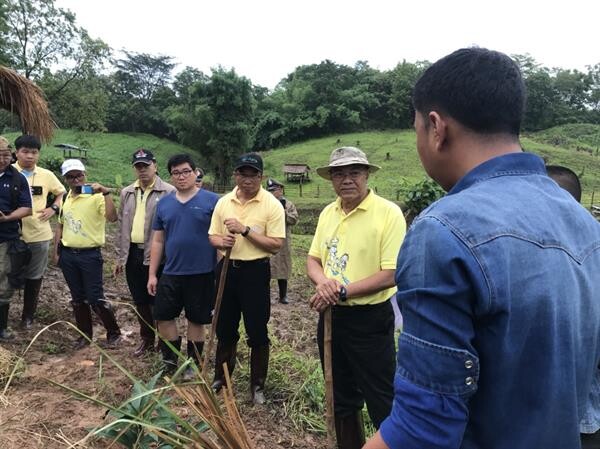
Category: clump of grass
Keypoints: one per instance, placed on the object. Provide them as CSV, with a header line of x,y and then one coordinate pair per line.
x,y
11,365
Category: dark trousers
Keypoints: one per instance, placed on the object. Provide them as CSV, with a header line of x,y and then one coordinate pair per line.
x,y
363,359
82,269
246,293
136,274
590,440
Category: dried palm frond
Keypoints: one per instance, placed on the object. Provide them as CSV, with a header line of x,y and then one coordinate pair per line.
x,y
227,425
25,99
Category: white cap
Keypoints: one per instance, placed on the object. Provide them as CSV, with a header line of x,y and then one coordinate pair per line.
x,y
70,165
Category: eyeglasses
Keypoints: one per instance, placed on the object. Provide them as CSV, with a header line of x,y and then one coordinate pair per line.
x,y
182,174
71,177
352,174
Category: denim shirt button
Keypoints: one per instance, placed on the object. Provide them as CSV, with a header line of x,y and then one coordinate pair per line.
x,y
469,364
469,381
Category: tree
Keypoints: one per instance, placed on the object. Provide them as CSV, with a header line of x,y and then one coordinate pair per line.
x,y
217,119
41,35
140,93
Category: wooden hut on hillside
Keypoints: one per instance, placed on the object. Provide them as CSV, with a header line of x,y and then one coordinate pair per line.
x,y
296,172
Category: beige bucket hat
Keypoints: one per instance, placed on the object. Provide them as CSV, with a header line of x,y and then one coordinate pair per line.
x,y
344,156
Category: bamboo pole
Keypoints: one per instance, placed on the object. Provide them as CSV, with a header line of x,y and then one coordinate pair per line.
x,y
329,412
213,327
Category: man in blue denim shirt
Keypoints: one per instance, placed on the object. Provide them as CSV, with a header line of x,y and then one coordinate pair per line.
x,y
495,280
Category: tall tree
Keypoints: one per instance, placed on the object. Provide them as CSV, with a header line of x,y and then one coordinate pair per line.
x,y
41,35
217,119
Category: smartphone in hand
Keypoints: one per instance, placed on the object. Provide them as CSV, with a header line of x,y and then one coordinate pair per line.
x,y
86,188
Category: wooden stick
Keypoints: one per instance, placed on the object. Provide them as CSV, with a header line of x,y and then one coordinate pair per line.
x,y
213,327
329,412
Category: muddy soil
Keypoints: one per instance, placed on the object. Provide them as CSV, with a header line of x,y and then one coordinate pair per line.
x,y
37,414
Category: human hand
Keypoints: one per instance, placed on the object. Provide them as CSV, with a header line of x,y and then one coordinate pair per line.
x,y
99,188
45,214
329,290
228,241
152,283
234,226
317,303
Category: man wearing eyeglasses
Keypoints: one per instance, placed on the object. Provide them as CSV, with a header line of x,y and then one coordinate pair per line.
x,y
136,214
251,222
15,204
78,242
187,282
351,262
36,229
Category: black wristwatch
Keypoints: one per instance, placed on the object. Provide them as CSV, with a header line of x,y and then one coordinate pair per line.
x,y
246,232
343,295
55,208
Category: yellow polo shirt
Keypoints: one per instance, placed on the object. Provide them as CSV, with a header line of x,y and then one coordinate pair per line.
x,y
139,217
35,230
83,221
263,213
357,245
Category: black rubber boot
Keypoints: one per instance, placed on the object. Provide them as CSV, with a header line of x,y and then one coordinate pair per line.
x,y
282,284
4,334
146,332
31,294
259,365
104,311
350,431
226,353
194,352
83,320
169,357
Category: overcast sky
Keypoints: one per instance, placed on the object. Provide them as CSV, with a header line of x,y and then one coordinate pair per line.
x,y
266,39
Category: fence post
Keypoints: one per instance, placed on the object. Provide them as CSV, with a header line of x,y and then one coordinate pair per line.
x,y
592,202
300,188
318,191
397,195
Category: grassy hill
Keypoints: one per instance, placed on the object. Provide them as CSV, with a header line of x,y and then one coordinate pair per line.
x,y
574,146
109,157
404,168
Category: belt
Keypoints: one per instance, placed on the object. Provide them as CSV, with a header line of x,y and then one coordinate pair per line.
x,y
137,245
80,250
241,263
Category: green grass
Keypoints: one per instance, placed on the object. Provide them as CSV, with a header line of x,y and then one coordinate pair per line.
x,y
404,167
110,155
109,158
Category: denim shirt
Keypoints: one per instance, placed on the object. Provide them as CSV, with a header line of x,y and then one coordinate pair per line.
x,y
498,284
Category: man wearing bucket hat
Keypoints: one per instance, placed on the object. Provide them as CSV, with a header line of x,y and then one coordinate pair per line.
x,y
351,262
15,204
136,214
251,222
281,263
78,240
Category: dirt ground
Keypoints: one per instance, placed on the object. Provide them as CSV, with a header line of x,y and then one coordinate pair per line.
x,y
37,414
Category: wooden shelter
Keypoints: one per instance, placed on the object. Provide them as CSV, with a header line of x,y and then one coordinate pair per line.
x,y
296,172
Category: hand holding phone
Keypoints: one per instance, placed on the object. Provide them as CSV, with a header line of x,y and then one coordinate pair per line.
x,y
86,188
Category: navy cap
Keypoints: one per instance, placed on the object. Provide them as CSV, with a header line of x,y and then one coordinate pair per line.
x,y
143,156
251,160
273,185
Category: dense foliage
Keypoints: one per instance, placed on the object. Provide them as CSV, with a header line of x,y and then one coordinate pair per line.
x,y
223,114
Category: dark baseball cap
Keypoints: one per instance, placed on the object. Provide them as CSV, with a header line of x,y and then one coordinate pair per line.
x,y
143,156
251,160
273,185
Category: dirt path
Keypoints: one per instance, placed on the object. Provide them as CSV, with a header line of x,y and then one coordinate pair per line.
x,y
38,414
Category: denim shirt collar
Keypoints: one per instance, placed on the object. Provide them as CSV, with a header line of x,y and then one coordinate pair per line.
x,y
507,164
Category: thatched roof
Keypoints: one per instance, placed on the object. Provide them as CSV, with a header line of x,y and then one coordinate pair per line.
x,y
296,168
23,98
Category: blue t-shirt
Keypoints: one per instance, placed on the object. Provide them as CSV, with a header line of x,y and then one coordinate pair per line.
x,y
10,230
187,249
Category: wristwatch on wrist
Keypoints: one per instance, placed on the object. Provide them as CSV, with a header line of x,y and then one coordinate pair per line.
x,y
246,232
343,295
55,208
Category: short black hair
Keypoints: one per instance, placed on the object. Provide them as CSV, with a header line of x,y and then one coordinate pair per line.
x,y
566,178
481,89
179,159
28,141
